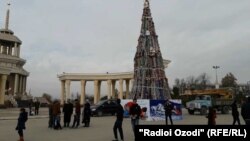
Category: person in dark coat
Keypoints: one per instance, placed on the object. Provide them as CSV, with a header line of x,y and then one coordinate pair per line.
x,y
245,111
235,113
68,111
118,122
168,107
23,117
51,125
211,116
86,114
30,107
37,106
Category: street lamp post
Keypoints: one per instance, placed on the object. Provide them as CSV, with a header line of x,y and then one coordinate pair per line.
x,y
216,81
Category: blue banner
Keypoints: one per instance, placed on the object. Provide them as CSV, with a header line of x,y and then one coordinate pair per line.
x,y
153,110
157,111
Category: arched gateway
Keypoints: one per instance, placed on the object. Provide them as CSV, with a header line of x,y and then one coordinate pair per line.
x,y
110,78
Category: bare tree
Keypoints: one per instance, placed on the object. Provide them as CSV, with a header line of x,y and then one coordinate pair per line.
x,y
229,80
177,82
47,97
203,80
192,82
180,84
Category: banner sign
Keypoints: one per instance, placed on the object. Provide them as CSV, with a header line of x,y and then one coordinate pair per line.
x,y
153,110
157,111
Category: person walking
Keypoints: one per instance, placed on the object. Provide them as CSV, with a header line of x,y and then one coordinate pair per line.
x,y
37,106
245,111
235,112
23,117
86,114
168,107
76,122
118,122
30,107
135,112
211,116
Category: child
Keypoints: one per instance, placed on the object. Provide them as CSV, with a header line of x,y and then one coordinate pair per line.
x,y
23,117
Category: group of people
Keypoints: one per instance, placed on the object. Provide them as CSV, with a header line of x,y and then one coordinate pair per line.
x,y
245,113
134,112
68,110
135,115
36,104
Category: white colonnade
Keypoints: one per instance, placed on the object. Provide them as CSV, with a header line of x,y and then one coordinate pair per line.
x,y
110,78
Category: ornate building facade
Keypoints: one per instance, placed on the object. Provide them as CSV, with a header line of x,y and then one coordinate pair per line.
x,y
13,77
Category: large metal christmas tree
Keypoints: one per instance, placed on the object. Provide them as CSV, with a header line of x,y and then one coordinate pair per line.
x,y
150,81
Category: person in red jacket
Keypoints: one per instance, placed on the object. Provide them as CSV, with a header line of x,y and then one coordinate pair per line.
x,y
135,113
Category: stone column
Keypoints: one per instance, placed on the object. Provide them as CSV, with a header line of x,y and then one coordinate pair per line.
x,y
20,84
109,89
121,89
15,49
83,85
24,84
25,88
132,82
127,88
99,91
2,88
67,89
10,50
96,91
16,83
62,92
18,50
1,49
4,50
113,88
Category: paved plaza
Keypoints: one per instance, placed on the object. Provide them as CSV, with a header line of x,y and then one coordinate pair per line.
x,y
101,128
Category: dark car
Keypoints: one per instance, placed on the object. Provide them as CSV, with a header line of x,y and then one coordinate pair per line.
x,y
104,107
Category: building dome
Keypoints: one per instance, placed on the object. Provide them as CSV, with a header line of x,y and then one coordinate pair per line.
x,y
8,35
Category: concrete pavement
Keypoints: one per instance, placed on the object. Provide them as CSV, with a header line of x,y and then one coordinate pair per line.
x,y
101,128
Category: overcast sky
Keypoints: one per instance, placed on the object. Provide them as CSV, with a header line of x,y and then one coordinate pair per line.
x,y
98,36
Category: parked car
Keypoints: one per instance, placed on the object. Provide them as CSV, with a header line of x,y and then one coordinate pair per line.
x,y
104,107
